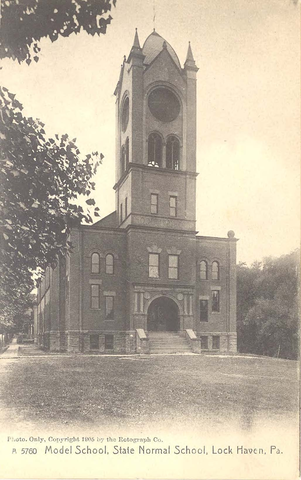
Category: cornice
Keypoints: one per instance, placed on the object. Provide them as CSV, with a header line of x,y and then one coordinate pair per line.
x,y
155,170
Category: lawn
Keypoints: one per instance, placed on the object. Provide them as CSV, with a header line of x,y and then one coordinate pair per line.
x,y
132,391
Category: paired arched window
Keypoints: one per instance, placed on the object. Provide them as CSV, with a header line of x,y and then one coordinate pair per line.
x,y
154,150
204,270
215,273
109,264
173,153
95,263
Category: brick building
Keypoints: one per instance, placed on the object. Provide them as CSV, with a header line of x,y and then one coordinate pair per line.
x,y
141,279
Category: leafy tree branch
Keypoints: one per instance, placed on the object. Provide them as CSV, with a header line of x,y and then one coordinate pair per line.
x,y
41,179
25,22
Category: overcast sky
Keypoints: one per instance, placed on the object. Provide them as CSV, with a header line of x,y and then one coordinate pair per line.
x,y
248,153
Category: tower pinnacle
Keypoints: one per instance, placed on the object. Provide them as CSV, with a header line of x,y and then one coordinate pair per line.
x,y
136,43
136,50
190,62
189,53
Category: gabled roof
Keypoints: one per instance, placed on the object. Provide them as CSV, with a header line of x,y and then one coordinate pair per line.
x,y
108,221
153,45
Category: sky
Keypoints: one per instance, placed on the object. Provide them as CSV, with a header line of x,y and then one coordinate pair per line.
x,y
248,116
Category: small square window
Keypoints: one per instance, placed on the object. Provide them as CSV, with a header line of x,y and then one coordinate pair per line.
x,y
94,296
94,342
109,307
153,265
215,343
154,203
109,264
173,267
215,301
109,342
204,343
173,206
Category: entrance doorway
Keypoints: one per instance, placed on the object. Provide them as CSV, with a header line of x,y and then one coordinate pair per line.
x,y
163,315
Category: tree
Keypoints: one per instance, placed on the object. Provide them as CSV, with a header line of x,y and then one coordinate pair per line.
x,y
276,325
40,179
267,312
25,22
247,293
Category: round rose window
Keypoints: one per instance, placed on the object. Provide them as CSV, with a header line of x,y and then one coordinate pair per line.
x,y
163,104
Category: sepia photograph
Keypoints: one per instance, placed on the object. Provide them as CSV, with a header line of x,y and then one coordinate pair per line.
x,y
150,239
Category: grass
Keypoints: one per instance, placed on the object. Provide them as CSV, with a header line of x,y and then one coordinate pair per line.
x,y
100,391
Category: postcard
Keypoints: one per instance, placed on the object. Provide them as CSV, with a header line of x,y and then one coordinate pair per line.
x,y
149,324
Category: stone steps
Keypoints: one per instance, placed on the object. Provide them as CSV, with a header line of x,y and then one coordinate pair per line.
x,y
168,342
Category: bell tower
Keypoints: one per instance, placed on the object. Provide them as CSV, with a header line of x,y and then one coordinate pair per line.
x,y
156,137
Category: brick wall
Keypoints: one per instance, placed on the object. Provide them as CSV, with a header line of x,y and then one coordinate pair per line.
x,y
103,243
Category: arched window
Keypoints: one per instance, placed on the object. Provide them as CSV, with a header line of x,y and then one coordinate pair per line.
x,y
215,271
154,150
125,114
127,153
109,264
122,161
173,153
203,270
95,263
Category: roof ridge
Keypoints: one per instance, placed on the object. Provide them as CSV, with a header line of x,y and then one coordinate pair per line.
x,y
152,46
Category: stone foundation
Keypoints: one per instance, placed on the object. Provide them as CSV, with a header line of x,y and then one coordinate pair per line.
x,y
73,342
228,342
102,342
54,343
129,342
142,342
233,342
